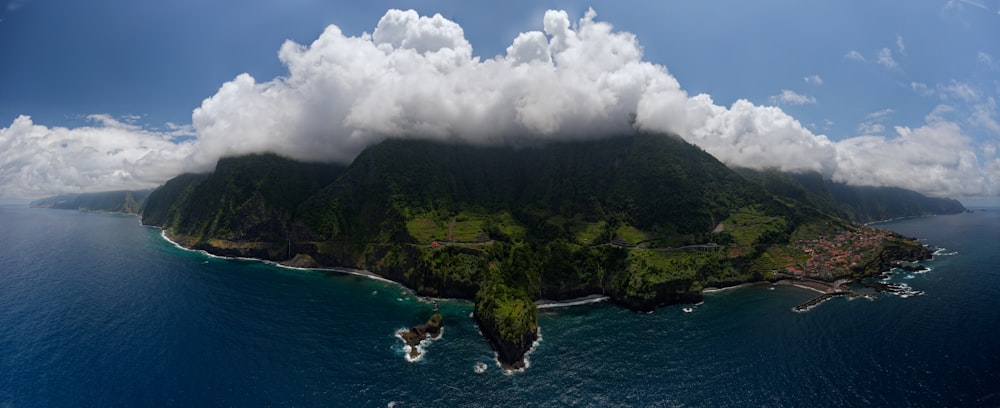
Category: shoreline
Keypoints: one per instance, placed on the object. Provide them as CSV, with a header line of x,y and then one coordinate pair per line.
x,y
585,300
346,271
712,289
540,304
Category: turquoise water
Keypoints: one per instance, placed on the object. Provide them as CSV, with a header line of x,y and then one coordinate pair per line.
x,y
96,310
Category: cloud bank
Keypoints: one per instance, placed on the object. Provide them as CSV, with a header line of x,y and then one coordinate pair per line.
x,y
416,77
37,161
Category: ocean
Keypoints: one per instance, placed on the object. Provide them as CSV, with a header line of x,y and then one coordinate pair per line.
x,y
99,311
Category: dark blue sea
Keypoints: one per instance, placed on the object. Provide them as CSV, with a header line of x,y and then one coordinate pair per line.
x,y
98,311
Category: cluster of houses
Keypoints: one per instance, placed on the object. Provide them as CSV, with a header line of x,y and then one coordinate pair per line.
x,y
830,255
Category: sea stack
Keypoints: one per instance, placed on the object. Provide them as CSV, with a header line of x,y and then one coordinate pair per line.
x,y
414,335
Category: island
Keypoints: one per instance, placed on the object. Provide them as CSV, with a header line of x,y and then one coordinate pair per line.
x,y
644,219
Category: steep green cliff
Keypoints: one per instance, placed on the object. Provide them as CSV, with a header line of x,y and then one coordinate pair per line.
x,y
244,208
857,203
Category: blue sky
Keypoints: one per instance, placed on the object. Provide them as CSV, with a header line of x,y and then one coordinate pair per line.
x,y
841,69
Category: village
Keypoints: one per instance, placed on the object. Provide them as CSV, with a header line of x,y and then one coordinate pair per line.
x,y
832,256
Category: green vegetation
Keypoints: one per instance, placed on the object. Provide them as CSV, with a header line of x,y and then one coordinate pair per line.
x,y
244,208
857,203
634,217
747,224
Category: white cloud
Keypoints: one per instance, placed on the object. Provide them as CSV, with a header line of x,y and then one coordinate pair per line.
x,y
885,59
879,114
870,128
37,160
953,4
958,90
987,59
989,150
416,77
872,125
792,98
921,88
936,159
939,113
813,80
900,46
985,115
854,55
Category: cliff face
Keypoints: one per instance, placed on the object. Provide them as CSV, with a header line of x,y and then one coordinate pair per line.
x,y
509,320
244,208
646,219
895,249
121,202
857,203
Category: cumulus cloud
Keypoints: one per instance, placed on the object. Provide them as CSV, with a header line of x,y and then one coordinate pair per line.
x,y
747,135
792,98
417,77
936,159
36,160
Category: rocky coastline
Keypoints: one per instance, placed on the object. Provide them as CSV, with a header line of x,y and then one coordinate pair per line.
x,y
512,337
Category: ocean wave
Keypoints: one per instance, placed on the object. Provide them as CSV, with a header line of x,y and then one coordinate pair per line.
x,y
346,271
716,290
163,233
572,302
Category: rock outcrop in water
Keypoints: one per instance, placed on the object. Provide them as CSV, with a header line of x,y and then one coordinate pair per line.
x,y
896,249
427,331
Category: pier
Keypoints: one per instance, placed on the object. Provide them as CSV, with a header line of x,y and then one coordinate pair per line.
x,y
822,298
826,290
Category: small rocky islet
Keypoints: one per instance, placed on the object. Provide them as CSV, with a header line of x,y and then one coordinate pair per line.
x,y
413,336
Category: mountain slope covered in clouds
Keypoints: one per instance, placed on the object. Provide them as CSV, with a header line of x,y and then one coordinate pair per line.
x,y
646,219
857,203
124,201
417,77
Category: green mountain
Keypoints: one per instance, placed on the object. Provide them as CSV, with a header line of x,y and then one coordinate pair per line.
x,y
244,208
645,219
857,203
124,201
